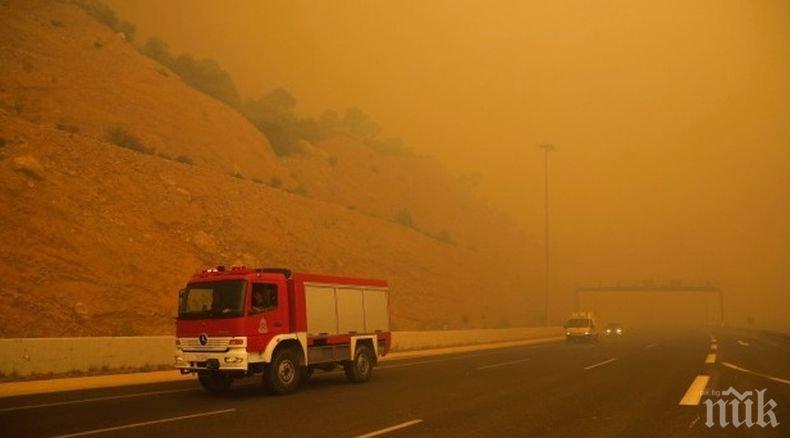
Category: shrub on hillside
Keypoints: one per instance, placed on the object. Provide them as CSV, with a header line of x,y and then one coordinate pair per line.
x,y
444,236
203,74
121,138
275,182
300,190
359,124
403,217
68,128
207,76
184,159
157,49
388,146
273,114
106,15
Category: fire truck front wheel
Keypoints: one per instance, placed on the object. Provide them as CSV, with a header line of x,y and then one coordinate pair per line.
x,y
283,374
214,382
360,369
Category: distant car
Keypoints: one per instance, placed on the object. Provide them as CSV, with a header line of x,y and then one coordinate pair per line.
x,y
613,329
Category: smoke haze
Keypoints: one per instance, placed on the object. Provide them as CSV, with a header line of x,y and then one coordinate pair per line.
x,y
670,118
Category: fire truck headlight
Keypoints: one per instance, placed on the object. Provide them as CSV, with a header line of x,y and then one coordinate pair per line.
x,y
234,360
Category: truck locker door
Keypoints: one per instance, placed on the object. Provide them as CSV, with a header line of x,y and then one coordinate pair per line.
x,y
268,314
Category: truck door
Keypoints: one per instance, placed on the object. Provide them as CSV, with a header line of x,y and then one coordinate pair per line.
x,y
268,313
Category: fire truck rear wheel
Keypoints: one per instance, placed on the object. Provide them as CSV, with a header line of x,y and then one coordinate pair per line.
x,y
283,374
215,382
360,369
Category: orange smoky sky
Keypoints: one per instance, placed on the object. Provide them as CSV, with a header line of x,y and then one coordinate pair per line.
x,y
671,119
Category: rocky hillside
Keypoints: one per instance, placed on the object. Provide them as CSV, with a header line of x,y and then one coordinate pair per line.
x,y
118,181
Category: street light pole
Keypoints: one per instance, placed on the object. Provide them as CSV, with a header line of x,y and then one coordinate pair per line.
x,y
546,149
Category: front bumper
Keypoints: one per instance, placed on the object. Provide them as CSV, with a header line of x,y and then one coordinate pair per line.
x,y
235,359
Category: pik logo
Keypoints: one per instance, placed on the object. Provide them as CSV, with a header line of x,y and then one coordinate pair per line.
x,y
738,409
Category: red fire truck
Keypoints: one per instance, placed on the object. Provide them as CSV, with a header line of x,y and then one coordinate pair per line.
x,y
238,322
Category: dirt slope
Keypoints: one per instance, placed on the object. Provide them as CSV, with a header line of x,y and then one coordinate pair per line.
x,y
96,239
61,67
348,173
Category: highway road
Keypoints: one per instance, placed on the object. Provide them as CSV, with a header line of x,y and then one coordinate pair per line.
x,y
626,387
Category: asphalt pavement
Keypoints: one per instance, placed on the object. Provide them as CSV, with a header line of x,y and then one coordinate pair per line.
x,y
629,386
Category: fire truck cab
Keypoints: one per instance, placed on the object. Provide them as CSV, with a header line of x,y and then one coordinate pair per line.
x,y
239,322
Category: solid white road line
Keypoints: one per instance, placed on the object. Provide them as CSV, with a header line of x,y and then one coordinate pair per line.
x,y
390,429
743,343
694,393
711,358
94,399
744,370
501,364
146,423
649,346
600,363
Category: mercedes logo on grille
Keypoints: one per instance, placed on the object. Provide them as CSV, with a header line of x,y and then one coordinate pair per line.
x,y
203,339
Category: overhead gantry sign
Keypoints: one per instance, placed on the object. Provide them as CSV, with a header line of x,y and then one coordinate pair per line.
x,y
650,286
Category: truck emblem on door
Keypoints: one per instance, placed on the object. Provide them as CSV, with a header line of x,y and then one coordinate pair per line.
x,y
263,328
203,339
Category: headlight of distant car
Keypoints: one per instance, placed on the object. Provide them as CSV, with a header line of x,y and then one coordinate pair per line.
x,y
586,332
619,331
608,330
567,333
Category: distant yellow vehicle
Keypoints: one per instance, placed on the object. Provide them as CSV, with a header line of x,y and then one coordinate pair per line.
x,y
581,327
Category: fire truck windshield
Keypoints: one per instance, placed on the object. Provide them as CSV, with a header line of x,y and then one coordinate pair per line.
x,y
213,299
